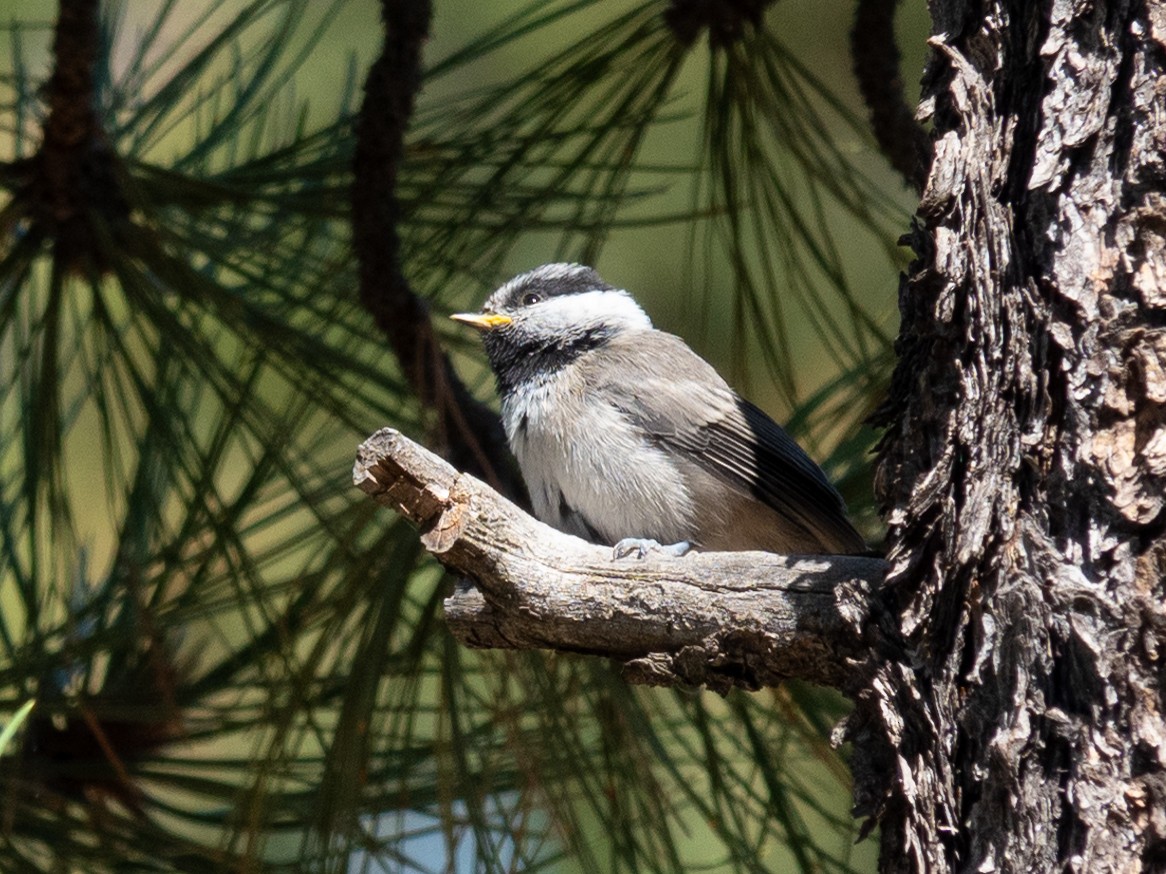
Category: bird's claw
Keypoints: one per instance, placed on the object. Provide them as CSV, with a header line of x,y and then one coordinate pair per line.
x,y
640,547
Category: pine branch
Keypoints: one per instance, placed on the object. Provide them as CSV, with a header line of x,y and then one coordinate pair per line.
x,y
723,620
875,53
468,429
70,191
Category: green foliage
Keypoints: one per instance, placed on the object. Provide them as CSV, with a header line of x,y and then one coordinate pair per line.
x,y
239,662
13,725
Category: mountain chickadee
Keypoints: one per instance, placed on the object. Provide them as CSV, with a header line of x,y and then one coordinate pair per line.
x,y
627,437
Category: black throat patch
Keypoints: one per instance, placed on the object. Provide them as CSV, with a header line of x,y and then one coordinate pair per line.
x,y
517,363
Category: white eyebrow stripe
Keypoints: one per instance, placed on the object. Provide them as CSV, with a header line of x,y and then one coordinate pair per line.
x,y
615,309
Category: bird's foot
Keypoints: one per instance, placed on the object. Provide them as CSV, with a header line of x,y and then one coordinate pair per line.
x,y
640,547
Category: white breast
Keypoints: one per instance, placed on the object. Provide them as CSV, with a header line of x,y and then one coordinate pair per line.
x,y
585,455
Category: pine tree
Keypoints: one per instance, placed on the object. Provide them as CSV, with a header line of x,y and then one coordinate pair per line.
x,y
209,293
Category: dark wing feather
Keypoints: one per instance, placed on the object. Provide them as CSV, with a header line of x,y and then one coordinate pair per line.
x,y
682,402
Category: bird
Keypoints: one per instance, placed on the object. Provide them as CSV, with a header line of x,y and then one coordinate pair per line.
x,y
626,437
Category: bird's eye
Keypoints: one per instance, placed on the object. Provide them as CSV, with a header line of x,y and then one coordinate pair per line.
x,y
531,299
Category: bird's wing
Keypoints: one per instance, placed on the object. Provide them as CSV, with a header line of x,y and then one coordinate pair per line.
x,y
682,402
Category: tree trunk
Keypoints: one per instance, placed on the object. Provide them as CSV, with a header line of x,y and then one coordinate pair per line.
x,y
1022,469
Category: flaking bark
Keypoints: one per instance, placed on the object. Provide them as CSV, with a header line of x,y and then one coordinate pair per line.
x,y
1023,467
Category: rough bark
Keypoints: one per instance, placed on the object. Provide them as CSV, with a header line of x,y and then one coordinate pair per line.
x,y
744,619
1022,470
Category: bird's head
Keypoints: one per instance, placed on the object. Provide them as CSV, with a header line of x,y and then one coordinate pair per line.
x,y
556,308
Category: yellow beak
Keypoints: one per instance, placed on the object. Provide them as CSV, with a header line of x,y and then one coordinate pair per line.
x,y
482,321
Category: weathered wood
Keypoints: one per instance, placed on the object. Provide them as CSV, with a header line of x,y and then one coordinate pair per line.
x,y
745,619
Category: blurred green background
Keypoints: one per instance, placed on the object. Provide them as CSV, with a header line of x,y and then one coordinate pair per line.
x,y
238,663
